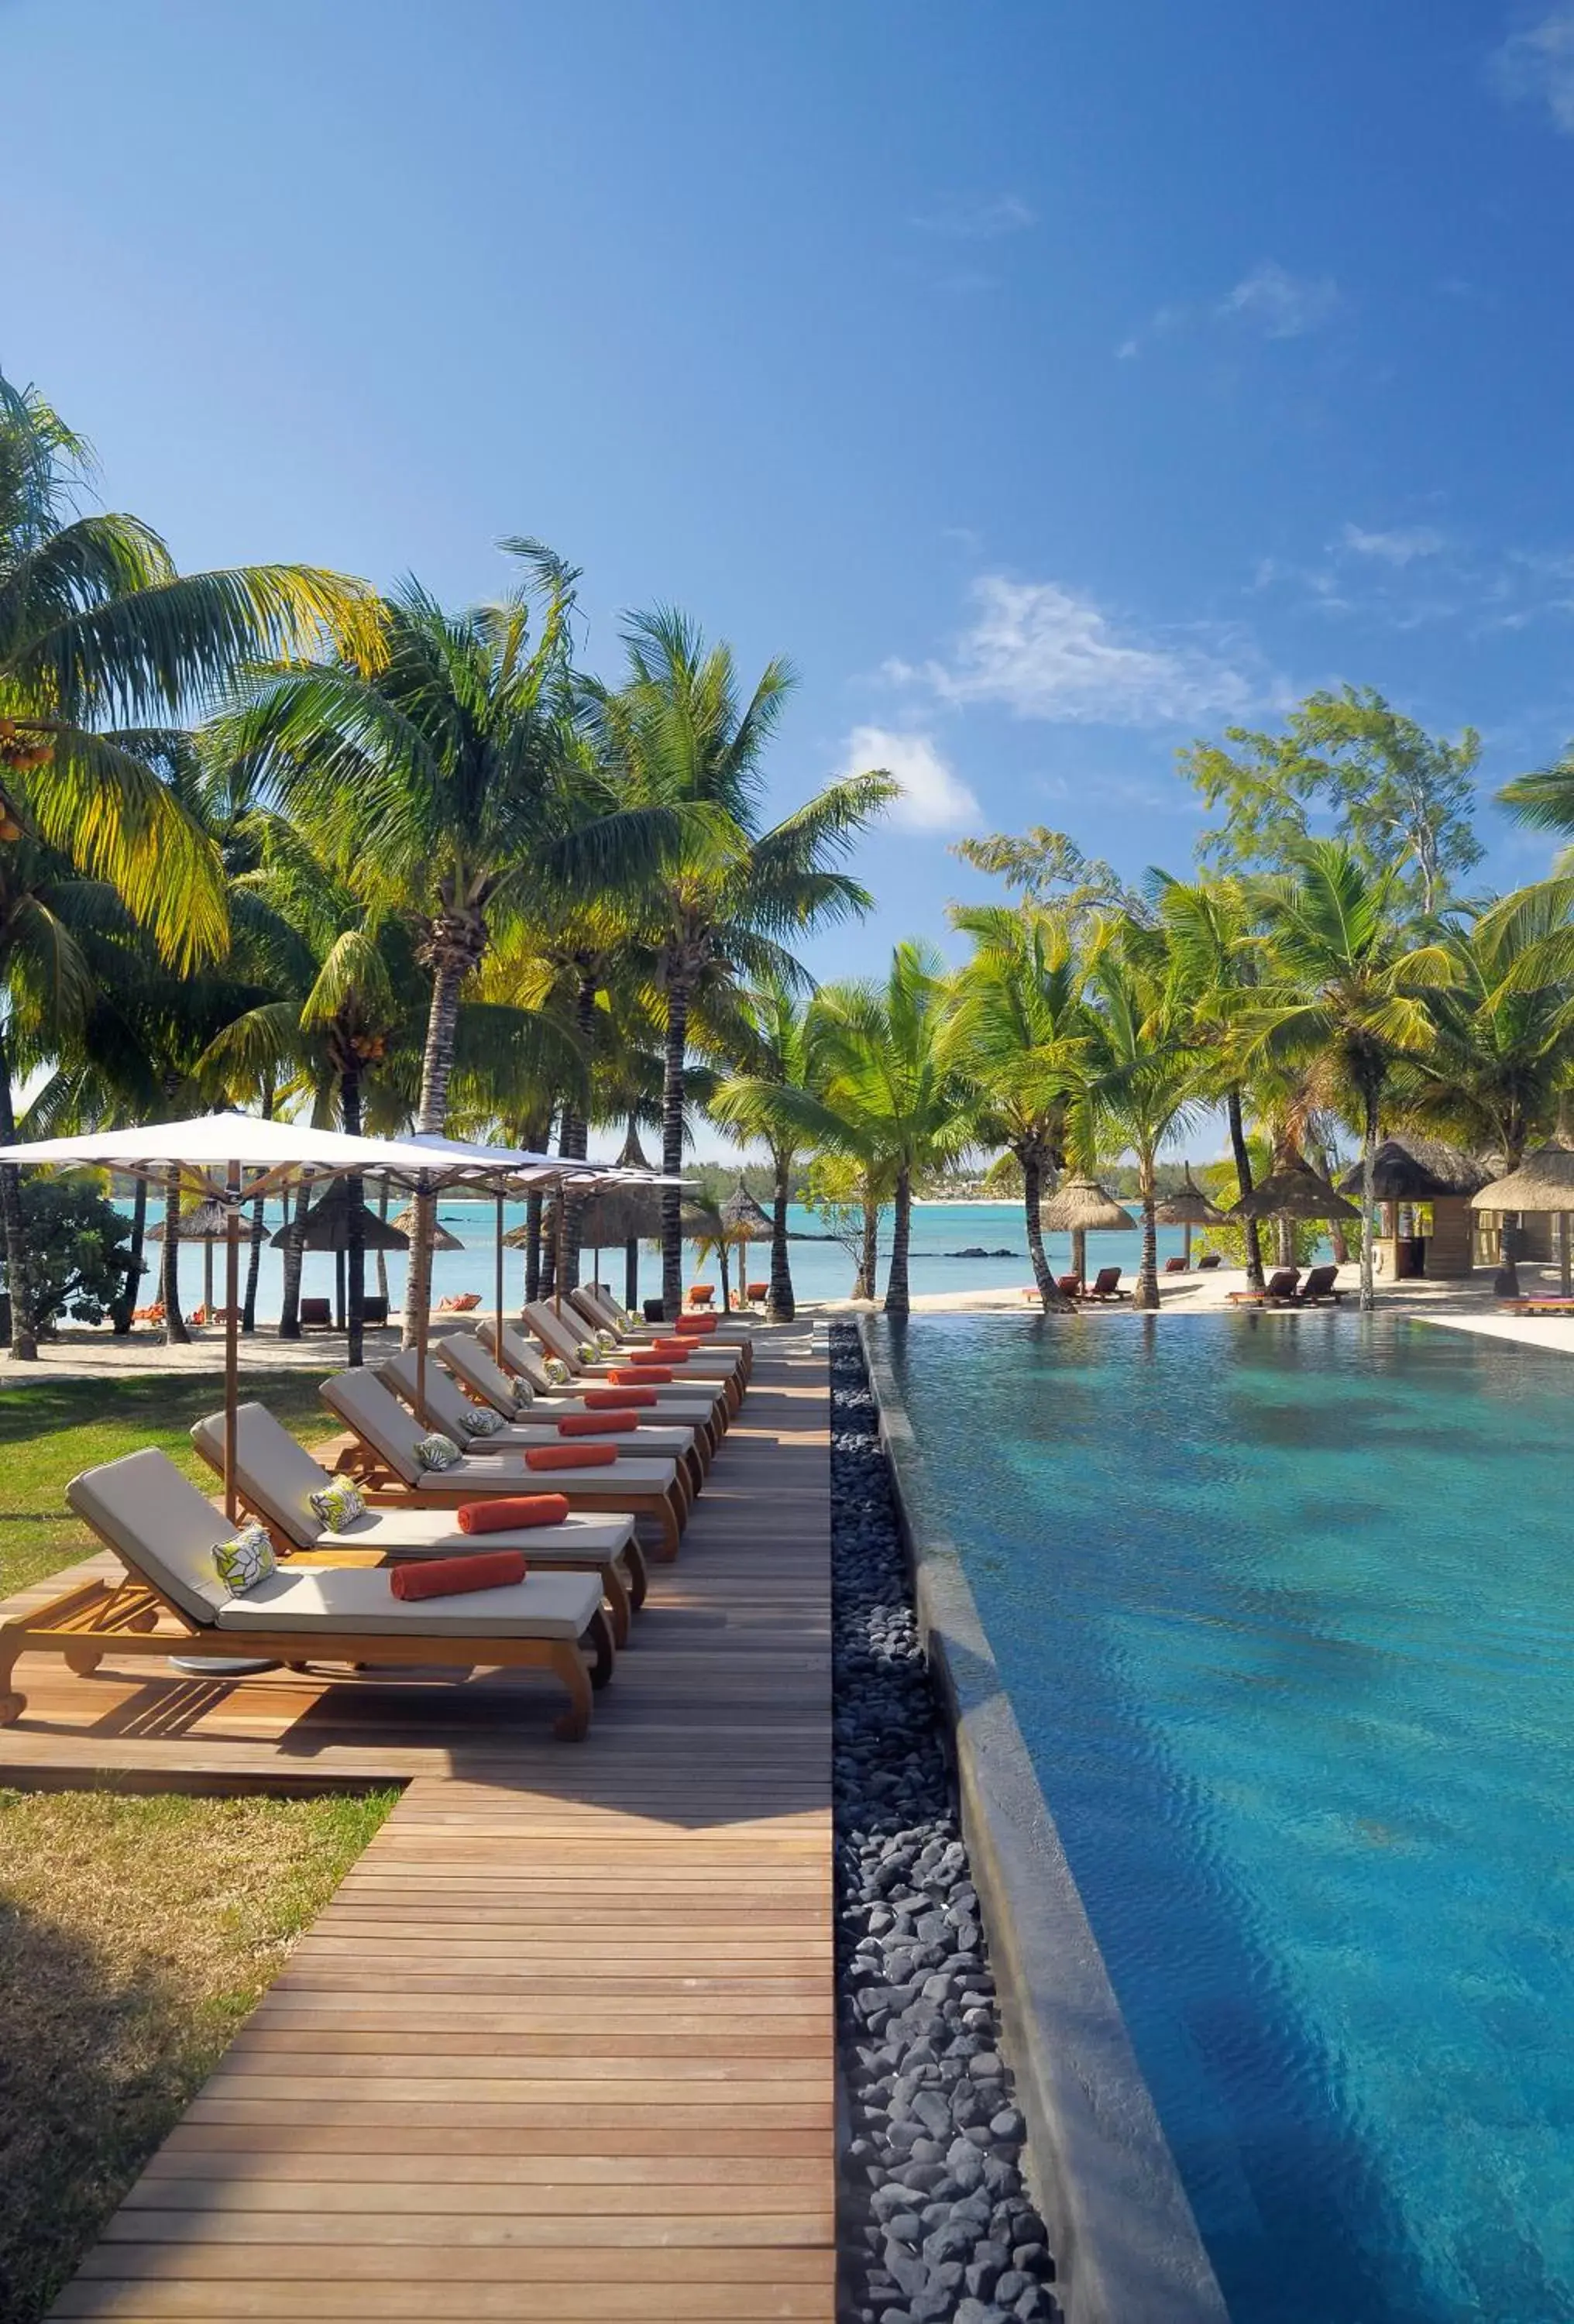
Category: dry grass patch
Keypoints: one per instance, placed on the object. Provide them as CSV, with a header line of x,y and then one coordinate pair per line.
x,y
135,1934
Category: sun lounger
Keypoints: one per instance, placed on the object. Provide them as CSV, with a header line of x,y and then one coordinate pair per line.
x,y
471,1362
374,1312
728,1350
1105,1285
315,1315
684,1399
1176,1266
720,1372
600,1313
1279,1291
1072,1284
164,1533
447,1407
1210,1259
276,1479
1548,1302
1319,1284
386,1436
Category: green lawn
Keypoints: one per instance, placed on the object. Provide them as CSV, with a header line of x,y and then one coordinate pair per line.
x,y
135,1934
51,1428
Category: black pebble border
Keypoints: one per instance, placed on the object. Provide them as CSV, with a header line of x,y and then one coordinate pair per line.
x,y
937,2227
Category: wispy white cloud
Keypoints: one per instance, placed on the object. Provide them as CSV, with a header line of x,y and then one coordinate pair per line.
x,y
1042,651
977,217
933,796
1270,300
1284,306
1401,547
1536,66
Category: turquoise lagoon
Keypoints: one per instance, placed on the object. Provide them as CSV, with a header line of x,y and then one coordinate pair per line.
x,y
1285,1607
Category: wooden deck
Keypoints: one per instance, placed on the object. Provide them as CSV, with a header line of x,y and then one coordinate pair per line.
x,y
562,2046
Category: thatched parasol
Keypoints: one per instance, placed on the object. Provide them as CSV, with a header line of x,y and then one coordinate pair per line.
x,y
1079,1207
1410,1169
1190,1208
405,1221
326,1227
1294,1191
742,1217
208,1223
1544,1181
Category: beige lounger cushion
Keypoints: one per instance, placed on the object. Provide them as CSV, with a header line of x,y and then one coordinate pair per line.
x,y
696,1400
731,1331
276,1476
562,1335
378,1418
160,1524
358,1599
450,1409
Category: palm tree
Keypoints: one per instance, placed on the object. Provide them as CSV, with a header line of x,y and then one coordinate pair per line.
x,y
1346,983
1145,1070
1024,1044
685,755
770,1040
446,776
1217,950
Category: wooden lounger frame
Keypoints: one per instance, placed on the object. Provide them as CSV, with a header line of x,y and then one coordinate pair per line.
x,y
132,1618
384,1488
726,1386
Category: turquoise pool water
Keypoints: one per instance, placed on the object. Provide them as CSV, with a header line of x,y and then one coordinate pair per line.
x,y
1285,1607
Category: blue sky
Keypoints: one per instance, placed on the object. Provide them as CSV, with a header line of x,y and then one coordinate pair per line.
x,y
1051,383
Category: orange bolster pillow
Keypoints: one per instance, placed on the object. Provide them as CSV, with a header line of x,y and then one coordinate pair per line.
x,y
595,1424
511,1512
669,1352
620,1399
571,1456
696,1326
646,1372
451,1577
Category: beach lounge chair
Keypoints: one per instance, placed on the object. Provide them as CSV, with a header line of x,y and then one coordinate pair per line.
x,y
315,1315
1209,1260
383,1459
173,1602
693,1401
757,1293
1319,1284
718,1369
1104,1285
700,1294
733,1332
374,1312
1279,1291
447,1407
276,1477
1546,1303
1176,1266
473,1364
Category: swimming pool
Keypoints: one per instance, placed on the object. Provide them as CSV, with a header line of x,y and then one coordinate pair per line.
x,y
1285,1606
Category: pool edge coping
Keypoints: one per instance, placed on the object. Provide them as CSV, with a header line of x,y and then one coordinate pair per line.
x,y
1123,2236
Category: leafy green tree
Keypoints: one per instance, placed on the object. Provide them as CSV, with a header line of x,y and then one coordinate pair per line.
x,y
1146,1072
1023,1040
77,1249
1347,985
770,1039
685,753
1046,868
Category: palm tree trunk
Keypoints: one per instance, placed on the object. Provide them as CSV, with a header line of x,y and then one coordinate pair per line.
x,y
532,1246
1243,1172
780,1308
294,1256
448,977
896,1302
1051,1298
672,1097
1369,1299
18,1255
381,1254
176,1335
125,1305
631,1275
863,1284
574,1140
548,1260
1146,1300
254,1265
355,1232
722,1264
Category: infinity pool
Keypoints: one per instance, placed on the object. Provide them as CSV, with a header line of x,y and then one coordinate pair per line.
x,y
1285,1606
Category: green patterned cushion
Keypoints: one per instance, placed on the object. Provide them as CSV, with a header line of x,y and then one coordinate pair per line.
x,y
557,1372
524,1396
587,1352
245,1559
481,1422
339,1503
606,1340
438,1451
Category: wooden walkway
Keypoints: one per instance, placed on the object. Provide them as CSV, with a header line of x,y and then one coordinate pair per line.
x,y
562,2046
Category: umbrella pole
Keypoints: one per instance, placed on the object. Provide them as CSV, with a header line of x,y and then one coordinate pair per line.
x,y
1188,1246
497,1287
207,1280
423,1228
561,1247
232,1342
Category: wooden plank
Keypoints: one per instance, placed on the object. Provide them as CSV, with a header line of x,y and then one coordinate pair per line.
x,y
562,2049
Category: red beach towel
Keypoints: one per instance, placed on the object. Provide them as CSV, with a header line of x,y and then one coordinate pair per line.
x,y
513,1513
646,1372
451,1577
571,1456
620,1399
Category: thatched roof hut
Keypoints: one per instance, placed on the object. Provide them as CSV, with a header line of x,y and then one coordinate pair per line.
x,y
742,1217
442,1239
1190,1208
1294,1191
1080,1206
1411,1169
208,1223
327,1225
1544,1181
